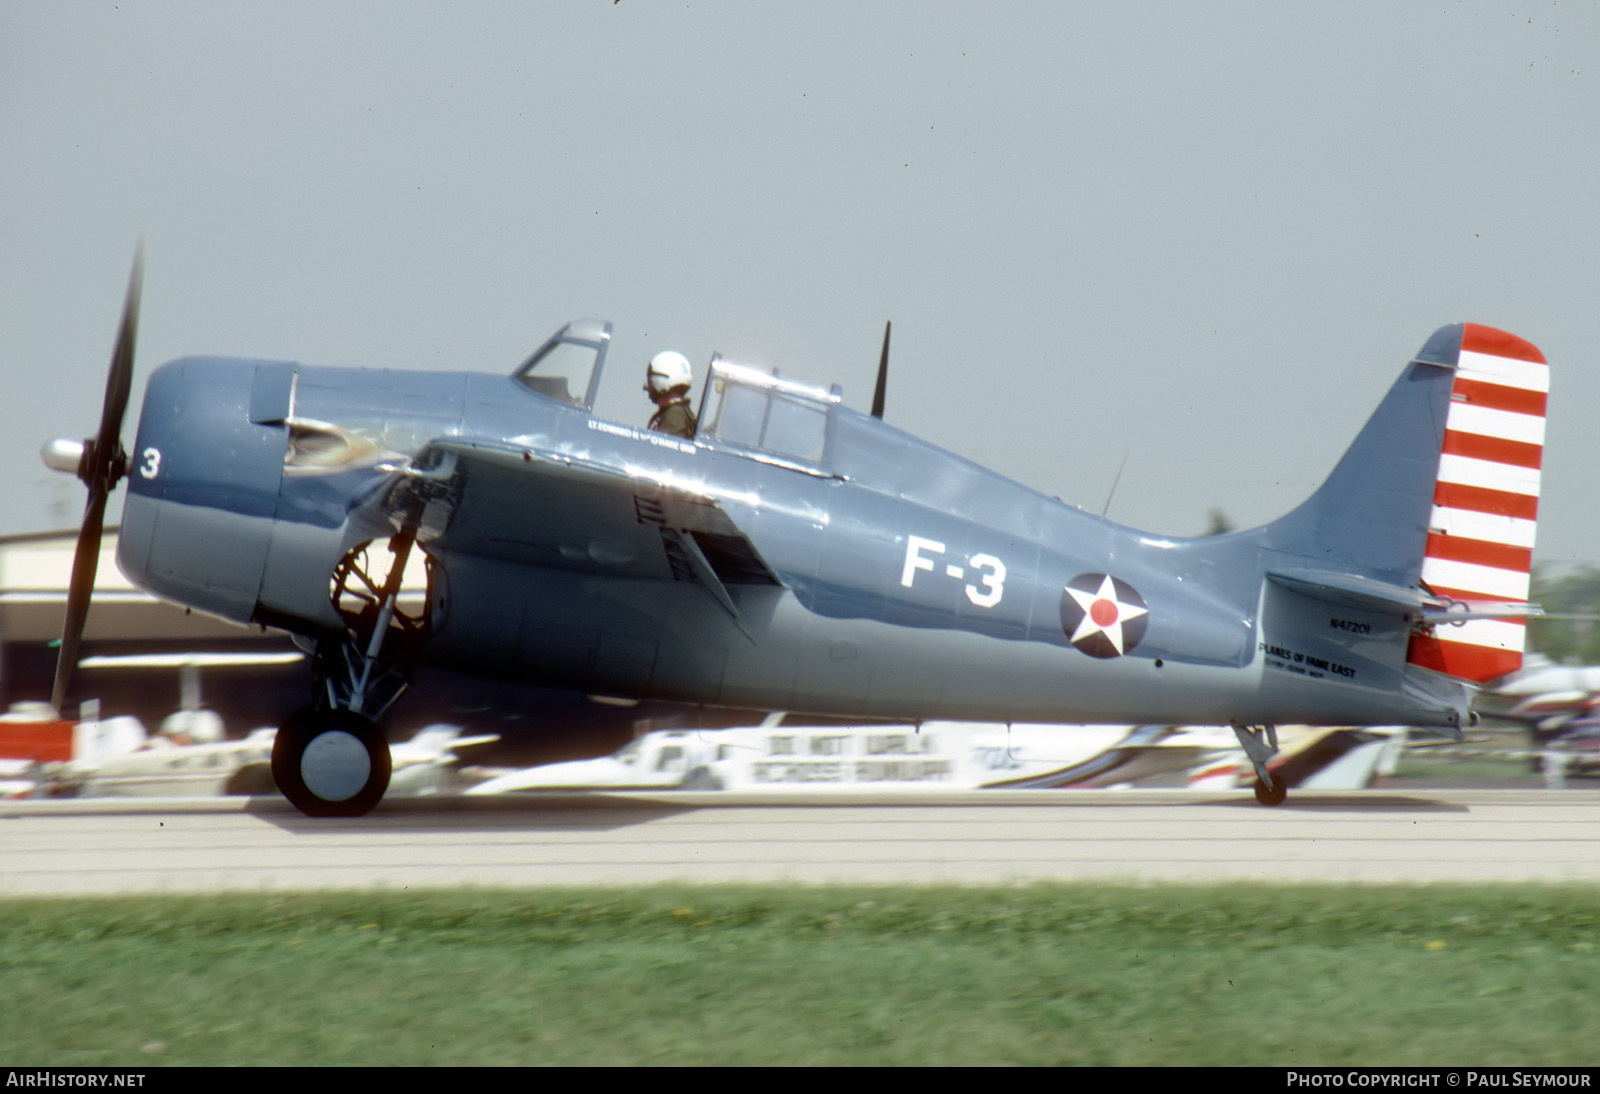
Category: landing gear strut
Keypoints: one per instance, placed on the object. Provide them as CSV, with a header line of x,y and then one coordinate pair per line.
x,y
1260,745
330,759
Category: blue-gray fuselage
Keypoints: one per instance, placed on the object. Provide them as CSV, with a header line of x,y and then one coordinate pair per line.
x,y
844,567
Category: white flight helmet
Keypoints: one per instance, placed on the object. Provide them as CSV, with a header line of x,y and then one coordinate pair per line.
x,y
669,370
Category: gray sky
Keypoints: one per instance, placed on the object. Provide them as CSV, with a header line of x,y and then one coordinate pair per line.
x,y
1202,236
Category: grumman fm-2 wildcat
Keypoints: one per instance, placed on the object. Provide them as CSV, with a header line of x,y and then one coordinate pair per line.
x,y
797,554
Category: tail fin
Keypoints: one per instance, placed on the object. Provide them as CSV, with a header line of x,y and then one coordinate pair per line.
x,y
1485,504
1434,505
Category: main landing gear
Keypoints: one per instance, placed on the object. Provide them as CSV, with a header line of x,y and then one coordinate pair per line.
x,y
330,759
331,763
1261,745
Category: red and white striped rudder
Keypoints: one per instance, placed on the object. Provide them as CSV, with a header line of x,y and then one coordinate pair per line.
x,y
1485,504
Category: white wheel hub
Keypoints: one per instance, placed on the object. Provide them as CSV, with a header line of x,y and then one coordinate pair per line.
x,y
335,765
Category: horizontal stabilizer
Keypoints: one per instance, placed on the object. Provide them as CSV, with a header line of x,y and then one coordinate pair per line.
x,y
1353,590
1460,611
1356,591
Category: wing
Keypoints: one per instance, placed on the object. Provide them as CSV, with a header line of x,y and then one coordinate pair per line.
x,y
491,499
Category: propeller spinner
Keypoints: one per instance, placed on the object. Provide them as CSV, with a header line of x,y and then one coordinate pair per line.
x,y
100,462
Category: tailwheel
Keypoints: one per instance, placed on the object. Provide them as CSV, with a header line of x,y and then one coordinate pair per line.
x,y
1274,794
331,763
1260,745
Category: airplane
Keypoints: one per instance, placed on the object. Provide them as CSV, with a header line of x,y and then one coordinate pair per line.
x,y
785,754
782,755
798,554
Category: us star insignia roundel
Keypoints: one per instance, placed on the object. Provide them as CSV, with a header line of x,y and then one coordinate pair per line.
x,y
1103,617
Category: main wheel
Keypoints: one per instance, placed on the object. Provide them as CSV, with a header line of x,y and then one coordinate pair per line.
x,y
331,763
1274,796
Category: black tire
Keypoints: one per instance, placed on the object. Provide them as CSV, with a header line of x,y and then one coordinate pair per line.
x,y
349,763
1274,796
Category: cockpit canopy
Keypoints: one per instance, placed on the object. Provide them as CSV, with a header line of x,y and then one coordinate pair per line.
x,y
753,409
742,407
567,367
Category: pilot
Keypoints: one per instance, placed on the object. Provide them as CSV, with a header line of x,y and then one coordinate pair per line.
x,y
667,381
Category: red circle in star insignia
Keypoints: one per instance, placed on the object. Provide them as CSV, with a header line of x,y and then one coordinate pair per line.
x,y
1103,616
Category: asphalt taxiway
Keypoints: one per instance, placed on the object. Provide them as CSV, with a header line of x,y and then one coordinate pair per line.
x,y
982,837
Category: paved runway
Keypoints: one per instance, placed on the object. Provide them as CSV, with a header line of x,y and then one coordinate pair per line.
x,y
260,844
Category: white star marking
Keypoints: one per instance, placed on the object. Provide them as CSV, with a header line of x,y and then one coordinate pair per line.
x,y
1103,613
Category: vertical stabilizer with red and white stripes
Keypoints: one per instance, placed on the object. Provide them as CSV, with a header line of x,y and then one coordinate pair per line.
x,y
1480,535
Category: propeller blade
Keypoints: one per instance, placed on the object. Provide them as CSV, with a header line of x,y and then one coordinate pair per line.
x,y
85,563
101,471
119,380
883,375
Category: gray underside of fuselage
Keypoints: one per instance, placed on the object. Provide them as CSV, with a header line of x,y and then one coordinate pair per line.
x,y
671,640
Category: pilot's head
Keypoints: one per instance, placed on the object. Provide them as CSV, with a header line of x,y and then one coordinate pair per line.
x,y
668,376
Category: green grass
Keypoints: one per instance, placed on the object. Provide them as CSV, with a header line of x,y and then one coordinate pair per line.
x,y
1048,975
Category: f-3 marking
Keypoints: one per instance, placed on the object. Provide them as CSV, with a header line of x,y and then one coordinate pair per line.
x,y
991,581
